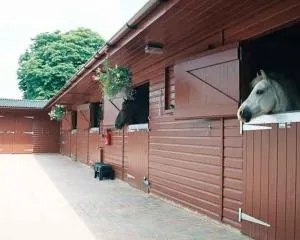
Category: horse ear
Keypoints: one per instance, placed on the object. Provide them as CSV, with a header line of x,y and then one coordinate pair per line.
x,y
256,80
263,74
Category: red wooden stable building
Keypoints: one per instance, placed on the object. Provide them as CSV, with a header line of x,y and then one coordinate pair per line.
x,y
26,128
191,150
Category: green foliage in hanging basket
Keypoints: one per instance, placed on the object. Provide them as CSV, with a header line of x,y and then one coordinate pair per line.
x,y
115,80
57,112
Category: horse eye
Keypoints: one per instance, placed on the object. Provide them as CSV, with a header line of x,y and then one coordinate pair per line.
x,y
260,92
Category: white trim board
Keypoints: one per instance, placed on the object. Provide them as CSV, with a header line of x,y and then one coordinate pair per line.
x,y
283,120
138,127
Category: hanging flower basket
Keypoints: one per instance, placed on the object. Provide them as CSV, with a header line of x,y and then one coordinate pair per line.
x,y
57,112
115,81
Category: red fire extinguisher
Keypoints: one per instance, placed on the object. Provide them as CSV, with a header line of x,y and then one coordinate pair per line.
x,y
107,137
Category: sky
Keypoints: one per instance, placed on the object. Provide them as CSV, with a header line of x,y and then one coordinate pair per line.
x,y
21,20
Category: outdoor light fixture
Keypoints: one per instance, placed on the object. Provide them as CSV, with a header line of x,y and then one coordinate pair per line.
x,y
154,48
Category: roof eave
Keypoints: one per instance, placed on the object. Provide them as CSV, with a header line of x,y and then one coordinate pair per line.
x,y
101,53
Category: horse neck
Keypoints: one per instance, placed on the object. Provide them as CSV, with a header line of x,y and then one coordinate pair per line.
x,y
281,95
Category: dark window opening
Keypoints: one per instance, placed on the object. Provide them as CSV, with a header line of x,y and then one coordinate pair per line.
x,y
142,101
135,111
169,88
95,114
277,53
74,119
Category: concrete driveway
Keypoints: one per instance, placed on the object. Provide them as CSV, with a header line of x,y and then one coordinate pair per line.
x,y
52,197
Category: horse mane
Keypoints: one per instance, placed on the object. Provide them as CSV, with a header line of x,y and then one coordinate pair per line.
x,y
280,78
255,81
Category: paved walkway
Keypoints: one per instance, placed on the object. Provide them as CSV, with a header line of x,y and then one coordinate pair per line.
x,y
52,197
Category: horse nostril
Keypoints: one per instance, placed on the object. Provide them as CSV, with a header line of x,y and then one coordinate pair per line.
x,y
246,114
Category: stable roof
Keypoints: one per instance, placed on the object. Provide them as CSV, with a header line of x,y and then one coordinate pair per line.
x,y
22,103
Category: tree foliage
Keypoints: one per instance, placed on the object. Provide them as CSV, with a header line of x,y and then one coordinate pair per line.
x,y
52,59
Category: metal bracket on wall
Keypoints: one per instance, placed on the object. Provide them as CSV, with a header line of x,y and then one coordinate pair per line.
x,y
284,125
138,127
28,149
30,133
130,176
246,217
250,127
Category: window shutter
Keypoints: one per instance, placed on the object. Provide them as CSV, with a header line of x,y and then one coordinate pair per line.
x,y
110,111
208,86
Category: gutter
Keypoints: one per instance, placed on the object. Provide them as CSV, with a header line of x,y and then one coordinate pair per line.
x,y
20,108
132,24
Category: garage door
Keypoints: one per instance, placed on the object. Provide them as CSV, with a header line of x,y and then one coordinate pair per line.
x,y
16,133
23,134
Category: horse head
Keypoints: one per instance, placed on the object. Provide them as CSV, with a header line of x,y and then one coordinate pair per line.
x,y
267,96
126,114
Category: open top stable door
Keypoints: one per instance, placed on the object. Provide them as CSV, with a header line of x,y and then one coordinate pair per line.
x,y
208,86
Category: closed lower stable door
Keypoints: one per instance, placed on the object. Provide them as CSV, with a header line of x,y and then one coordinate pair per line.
x,y
16,133
138,159
272,182
65,137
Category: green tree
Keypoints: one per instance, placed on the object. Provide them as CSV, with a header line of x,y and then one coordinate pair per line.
x,y
52,59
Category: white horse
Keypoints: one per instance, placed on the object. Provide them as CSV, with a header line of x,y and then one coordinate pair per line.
x,y
269,96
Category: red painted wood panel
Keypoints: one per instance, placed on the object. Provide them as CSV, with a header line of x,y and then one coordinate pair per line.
x,y
291,166
82,145
271,159
65,142
184,156
232,170
113,154
82,133
66,123
23,134
138,153
94,151
45,134
297,199
28,132
7,127
208,86
83,117
111,110
74,144
265,159
273,175
281,184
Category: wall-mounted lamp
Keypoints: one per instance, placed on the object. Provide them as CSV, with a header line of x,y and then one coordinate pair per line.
x,y
154,48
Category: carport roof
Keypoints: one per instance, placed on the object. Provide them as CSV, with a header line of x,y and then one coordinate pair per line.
x,y
22,103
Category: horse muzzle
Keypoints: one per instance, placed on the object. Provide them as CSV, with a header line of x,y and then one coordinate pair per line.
x,y
245,114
